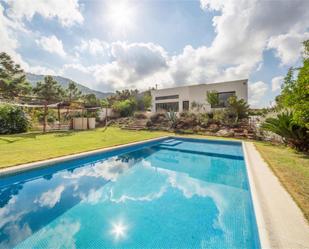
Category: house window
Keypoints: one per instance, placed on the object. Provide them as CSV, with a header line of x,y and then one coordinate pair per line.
x,y
167,97
185,106
223,99
172,106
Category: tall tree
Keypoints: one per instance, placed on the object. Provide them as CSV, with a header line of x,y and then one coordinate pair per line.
x,y
72,92
50,92
122,95
295,91
143,100
91,100
12,78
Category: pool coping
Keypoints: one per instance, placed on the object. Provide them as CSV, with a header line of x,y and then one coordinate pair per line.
x,y
281,224
261,224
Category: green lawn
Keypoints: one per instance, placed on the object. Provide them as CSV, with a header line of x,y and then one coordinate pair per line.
x,y
30,147
292,169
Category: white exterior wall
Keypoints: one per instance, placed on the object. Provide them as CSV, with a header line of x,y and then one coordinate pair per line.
x,y
110,113
197,93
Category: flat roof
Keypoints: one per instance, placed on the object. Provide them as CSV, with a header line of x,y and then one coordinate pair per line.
x,y
213,83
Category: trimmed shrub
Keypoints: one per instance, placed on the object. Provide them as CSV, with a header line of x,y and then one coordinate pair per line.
x,y
12,120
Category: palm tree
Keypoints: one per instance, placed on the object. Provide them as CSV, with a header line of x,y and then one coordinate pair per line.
x,y
292,134
49,92
238,108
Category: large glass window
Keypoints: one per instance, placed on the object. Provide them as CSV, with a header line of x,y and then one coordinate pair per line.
x,y
223,99
172,106
167,97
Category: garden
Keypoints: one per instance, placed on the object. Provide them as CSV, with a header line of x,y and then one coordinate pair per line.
x,y
36,122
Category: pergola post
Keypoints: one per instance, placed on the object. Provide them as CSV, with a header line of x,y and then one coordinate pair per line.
x,y
59,125
45,117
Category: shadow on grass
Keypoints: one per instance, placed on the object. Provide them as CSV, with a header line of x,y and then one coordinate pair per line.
x,y
18,137
64,133
12,138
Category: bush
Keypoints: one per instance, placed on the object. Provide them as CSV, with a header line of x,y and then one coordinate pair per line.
x,y
51,116
219,116
125,107
187,115
292,133
203,119
12,120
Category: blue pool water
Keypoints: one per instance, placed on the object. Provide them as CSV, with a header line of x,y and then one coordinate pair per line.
x,y
173,193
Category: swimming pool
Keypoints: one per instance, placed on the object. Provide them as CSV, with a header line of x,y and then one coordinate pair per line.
x,y
169,193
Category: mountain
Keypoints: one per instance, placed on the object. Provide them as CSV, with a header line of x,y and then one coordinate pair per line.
x,y
64,82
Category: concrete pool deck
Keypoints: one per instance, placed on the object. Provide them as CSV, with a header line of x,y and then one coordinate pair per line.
x,y
280,222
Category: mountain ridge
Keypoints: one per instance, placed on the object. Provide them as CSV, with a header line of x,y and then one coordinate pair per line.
x,y
64,82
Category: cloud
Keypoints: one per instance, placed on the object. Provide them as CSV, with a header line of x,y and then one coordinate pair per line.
x,y
132,65
93,46
288,47
276,83
51,197
41,70
257,91
66,12
244,27
56,235
8,38
52,45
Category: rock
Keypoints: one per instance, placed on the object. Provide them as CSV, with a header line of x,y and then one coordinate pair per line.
x,y
197,128
225,133
213,128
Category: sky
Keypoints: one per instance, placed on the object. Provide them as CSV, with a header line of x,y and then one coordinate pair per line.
x,y
111,45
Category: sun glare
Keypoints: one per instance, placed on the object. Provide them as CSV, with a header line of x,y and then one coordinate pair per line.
x,y
119,230
121,15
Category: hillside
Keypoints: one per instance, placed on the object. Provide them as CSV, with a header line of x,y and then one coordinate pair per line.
x,y
64,82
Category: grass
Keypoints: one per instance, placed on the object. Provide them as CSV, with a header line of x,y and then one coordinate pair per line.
x,y
30,147
291,168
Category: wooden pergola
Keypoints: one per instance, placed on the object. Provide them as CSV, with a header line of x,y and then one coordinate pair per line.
x,y
36,102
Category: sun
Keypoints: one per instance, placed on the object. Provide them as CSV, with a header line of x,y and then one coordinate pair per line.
x,y
121,15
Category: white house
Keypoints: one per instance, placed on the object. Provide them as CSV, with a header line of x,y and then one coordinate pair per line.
x,y
181,98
